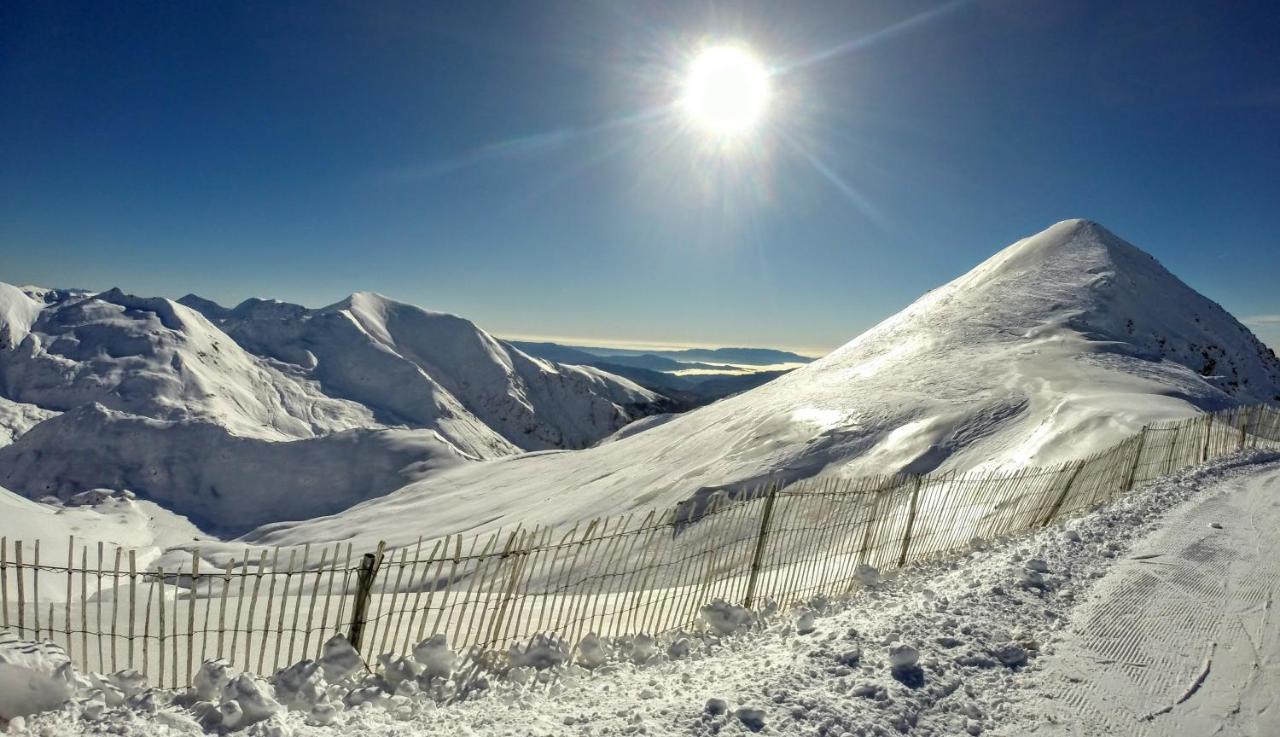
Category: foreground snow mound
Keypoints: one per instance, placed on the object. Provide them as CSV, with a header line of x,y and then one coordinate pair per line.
x,y
34,676
1060,345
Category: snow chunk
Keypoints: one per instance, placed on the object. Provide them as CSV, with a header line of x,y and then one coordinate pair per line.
x,y
434,655
34,677
339,659
724,618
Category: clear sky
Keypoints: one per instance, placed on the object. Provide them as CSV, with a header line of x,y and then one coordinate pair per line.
x,y
521,163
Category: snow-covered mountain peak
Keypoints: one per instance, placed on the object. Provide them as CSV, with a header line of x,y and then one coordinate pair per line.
x,y
1061,344
1077,281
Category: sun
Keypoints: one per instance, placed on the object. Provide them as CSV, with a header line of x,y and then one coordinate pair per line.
x,y
726,90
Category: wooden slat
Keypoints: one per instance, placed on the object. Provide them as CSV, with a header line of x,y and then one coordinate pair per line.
x,y
160,619
315,593
191,613
22,591
146,630
250,627
174,639
84,603
328,597
66,610
560,557
222,607
133,586
235,632
448,584
388,615
418,607
4,581
400,633
297,605
35,587
115,608
470,605
284,609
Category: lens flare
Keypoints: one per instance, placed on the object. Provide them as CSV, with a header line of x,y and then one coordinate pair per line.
x,y
726,91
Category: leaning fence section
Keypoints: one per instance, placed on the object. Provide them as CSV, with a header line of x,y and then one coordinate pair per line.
x,y
647,572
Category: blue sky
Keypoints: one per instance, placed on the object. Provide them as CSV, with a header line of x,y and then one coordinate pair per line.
x,y
512,162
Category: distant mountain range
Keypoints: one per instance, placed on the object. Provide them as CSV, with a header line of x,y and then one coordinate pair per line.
x,y
655,371
203,407
739,356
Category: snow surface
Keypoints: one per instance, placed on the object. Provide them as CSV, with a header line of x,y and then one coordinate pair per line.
x,y
295,413
1062,344
972,645
114,519
1182,636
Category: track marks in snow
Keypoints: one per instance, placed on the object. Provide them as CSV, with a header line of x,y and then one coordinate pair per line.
x,y
1179,638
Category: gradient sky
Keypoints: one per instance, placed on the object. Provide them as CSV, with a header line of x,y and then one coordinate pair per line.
x,y
512,162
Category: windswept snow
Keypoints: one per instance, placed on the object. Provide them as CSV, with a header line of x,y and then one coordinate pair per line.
x,y
1061,344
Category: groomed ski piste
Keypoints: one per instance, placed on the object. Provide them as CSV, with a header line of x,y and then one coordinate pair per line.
x,y
1153,615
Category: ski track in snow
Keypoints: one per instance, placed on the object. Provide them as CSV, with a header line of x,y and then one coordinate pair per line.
x,y
1182,637
1133,596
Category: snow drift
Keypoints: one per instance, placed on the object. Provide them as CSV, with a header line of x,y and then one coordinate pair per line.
x,y
1059,345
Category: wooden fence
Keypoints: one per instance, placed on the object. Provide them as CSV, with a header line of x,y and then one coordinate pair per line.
x,y
648,572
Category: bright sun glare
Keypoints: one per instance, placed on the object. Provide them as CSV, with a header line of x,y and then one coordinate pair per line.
x,y
726,91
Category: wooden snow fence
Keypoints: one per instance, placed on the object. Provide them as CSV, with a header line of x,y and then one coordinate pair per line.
x,y
647,572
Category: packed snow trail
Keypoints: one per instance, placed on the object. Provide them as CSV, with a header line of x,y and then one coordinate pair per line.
x,y
1183,637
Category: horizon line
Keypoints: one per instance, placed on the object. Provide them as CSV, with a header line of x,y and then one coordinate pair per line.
x,y
642,345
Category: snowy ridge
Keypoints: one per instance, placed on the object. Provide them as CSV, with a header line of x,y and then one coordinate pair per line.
x,y
271,411
1060,345
422,368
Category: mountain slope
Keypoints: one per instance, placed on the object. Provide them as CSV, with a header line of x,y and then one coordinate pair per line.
x,y
158,359
222,482
1062,343
295,413
431,369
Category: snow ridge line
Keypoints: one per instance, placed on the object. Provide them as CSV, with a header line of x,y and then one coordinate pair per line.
x,y
607,578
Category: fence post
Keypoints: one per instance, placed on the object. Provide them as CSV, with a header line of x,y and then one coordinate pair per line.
x,y
1133,470
1208,435
1062,498
911,519
762,539
364,588
1244,424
